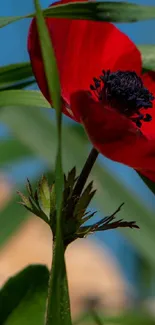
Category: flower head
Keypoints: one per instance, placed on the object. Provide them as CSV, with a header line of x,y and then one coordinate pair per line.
x,y
102,87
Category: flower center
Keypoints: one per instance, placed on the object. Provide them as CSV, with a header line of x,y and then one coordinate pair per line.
x,y
125,92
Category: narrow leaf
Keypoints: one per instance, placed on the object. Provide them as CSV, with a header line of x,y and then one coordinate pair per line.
x,y
25,200
44,196
19,85
71,177
58,309
29,188
84,200
100,11
13,73
13,215
52,202
4,21
22,98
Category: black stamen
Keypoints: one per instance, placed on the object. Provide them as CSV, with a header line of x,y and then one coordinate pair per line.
x,y
92,87
147,118
125,92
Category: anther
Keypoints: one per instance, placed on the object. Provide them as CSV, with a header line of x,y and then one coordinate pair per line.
x,y
125,92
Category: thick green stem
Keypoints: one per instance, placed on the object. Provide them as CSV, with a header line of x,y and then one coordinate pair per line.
x,y
65,303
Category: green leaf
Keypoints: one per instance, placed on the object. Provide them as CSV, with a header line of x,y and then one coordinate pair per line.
x,y
52,202
13,215
20,85
23,297
44,196
148,56
84,200
100,11
4,21
14,73
22,98
37,201
25,200
58,305
71,177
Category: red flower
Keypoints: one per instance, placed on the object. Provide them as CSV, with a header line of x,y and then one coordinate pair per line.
x,y
114,105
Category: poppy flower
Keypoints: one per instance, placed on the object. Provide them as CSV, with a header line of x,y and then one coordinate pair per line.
x,y
102,87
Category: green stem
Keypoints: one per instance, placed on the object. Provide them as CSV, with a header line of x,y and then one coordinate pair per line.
x,y
65,303
85,172
81,181
49,294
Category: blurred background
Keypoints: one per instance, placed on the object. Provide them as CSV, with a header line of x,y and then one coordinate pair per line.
x,y
113,269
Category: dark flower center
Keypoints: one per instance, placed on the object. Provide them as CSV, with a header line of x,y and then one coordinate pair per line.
x,y
125,92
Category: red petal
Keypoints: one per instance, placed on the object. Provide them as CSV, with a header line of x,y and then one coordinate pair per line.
x,y
148,174
83,49
148,129
149,80
38,68
90,48
114,135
